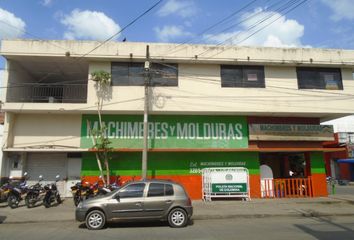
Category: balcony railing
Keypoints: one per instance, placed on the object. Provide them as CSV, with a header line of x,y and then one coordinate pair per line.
x,y
71,93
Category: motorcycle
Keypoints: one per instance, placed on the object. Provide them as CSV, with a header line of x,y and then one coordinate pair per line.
x,y
51,193
85,190
35,193
80,192
17,193
4,191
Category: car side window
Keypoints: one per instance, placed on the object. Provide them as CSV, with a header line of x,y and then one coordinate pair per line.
x,y
169,190
160,190
132,191
156,190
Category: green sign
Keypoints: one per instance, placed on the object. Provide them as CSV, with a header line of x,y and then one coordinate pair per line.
x,y
229,187
170,131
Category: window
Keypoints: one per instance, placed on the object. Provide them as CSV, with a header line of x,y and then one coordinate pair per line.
x,y
242,76
319,78
132,191
164,74
156,190
160,189
169,190
132,74
127,74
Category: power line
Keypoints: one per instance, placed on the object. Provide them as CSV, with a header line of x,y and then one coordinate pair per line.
x,y
104,42
293,8
225,29
117,33
289,4
211,27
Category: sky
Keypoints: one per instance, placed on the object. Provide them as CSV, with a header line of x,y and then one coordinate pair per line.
x,y
314,23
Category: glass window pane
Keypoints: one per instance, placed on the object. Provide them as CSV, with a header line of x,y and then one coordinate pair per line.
x,y
169,190
132,191
136,74
164,75
242,76
319,78
231,76
127,74
253,76
156,190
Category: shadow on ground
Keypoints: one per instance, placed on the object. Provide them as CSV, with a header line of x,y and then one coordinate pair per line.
x,y
341,232
2,219
149,224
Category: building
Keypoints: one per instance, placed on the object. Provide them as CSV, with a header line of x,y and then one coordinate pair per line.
x,y
340,165
209,106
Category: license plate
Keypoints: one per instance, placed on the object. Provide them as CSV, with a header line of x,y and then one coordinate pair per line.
x,y
6,191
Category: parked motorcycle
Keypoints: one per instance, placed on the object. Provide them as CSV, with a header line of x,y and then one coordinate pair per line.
x,y
35,193
80,191
85,190
51,193
17,193
4,191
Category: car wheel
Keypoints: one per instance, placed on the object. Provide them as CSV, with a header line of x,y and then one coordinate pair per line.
x,y
95,220
177,218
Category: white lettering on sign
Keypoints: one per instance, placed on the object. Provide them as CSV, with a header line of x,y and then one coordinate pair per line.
x,y
162,130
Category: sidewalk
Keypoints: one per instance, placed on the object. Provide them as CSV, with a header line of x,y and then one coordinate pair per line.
x,y
338,205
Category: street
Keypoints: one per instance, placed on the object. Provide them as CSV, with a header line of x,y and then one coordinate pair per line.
x,y
244,228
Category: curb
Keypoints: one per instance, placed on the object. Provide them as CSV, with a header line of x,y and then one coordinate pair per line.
x,y
243,216
350,201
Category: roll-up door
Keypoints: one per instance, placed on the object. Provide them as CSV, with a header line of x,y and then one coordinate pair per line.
x,y
48,165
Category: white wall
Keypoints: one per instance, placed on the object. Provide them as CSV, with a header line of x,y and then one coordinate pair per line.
x,y
41,130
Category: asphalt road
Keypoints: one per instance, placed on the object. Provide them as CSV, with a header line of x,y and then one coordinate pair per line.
x,y
250,228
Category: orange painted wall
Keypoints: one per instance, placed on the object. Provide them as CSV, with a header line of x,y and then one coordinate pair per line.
x,y
192,183
319,185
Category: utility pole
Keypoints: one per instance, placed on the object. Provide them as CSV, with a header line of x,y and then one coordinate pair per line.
x,y
146,111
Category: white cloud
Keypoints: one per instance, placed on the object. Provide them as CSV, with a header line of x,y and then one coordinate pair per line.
x,y
10,25
183,9
169,32
46,2
282,33
342,9
89,25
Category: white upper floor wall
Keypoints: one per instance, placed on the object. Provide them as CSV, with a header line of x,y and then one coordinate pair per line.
x,y
199,89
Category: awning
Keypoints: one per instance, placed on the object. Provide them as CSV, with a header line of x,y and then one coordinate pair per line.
x,y
347,160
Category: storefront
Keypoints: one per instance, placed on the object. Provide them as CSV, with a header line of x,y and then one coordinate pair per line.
x,y
181,146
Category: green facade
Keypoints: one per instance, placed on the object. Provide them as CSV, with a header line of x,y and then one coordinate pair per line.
x,y
171,163
317,162
170,131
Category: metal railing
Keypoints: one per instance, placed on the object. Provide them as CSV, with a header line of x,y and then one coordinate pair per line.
x,y
286,188
70,93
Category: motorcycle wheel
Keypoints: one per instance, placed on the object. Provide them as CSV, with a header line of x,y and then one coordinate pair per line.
x,y
77,199
30,200
12,201
46,202
58,198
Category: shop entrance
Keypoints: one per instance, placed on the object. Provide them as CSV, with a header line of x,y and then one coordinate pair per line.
x,y
291,175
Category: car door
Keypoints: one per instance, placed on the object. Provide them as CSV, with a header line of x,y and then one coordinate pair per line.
x,y
128,202
160,197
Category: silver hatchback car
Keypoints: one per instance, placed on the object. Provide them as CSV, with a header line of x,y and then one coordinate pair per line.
x,y
139,200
